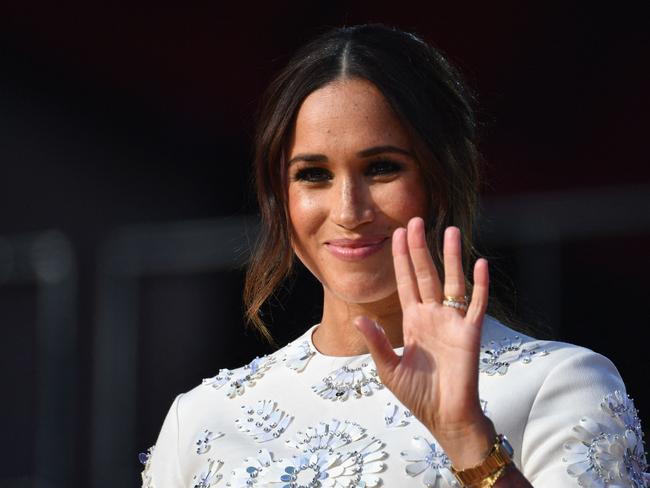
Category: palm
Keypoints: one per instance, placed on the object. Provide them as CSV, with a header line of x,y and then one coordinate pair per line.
x,y
437,375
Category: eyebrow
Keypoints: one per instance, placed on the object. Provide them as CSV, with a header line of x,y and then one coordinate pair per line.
x,y
366,153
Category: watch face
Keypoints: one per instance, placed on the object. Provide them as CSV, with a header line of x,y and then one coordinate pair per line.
x,y
507,447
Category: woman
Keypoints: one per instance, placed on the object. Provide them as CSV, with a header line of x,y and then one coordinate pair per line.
x,y
367,172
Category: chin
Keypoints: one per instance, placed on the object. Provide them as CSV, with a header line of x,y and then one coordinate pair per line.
x,y
355,285
360,292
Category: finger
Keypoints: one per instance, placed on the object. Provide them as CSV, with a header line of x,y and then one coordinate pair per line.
x,y
429,286
480,293
452,256
379,346
404,277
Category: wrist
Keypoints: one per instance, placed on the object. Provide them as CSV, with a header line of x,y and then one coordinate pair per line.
x,y
487,473
468,446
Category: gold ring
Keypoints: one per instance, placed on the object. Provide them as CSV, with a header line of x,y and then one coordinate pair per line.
x,y
464,298
459,303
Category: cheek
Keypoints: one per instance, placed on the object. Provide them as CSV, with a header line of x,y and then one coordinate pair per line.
x,y
402,201
305,214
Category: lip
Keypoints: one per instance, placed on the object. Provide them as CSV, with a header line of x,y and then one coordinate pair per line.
x,y
355,249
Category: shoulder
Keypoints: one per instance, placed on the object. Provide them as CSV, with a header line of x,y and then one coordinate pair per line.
x,y
545,374
503,348
200,418
231,383
581,427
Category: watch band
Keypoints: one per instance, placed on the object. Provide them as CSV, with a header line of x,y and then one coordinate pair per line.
x,y
488,471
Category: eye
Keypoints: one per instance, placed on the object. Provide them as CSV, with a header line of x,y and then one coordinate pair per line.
x,y
312,175
383,167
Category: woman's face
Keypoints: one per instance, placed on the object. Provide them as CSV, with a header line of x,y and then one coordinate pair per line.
x,y
353,179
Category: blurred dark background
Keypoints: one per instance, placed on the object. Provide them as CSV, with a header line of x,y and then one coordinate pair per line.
x,y
125,210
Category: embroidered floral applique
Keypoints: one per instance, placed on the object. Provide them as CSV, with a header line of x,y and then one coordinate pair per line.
x,y
248,475
145,460
328,436
604,457
352,468
264,421
496,357
334,454
298,355
396,415
209,476
349,380
204,441
240,378
428,459
621,407
331,454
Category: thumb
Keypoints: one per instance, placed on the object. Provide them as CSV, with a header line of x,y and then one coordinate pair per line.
x,y
380,347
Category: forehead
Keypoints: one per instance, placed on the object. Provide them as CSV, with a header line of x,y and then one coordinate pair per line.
x,y
346,114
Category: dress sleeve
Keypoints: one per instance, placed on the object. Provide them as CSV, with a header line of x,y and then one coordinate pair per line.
x,y
161,463
583,429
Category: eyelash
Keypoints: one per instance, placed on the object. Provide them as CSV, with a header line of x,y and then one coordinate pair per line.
x,y
319,175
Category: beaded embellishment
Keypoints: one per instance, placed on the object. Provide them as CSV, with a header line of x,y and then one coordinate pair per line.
x,y
351,468
209,476
396,415
145,460
429,460
248,475
240,378
334,454
204,441
496,357
337,453
263,422
348,380
329,436
602,457
298,355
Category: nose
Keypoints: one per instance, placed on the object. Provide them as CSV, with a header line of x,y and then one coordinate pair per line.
x,y
352,205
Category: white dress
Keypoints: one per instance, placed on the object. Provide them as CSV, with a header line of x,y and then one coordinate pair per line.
x,y
298,418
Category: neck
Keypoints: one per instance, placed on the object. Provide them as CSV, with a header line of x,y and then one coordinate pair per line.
x,y
337,336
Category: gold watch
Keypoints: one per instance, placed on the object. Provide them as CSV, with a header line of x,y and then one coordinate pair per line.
x,y
487,472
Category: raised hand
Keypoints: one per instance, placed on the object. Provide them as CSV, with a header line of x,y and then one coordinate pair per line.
x,y
437,375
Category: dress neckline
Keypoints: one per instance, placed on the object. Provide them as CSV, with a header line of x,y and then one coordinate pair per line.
x,y
308,337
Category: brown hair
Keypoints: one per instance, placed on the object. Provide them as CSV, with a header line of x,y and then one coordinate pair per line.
x,y
427,95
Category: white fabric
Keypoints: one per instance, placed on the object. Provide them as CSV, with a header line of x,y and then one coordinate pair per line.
x,y
536,394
